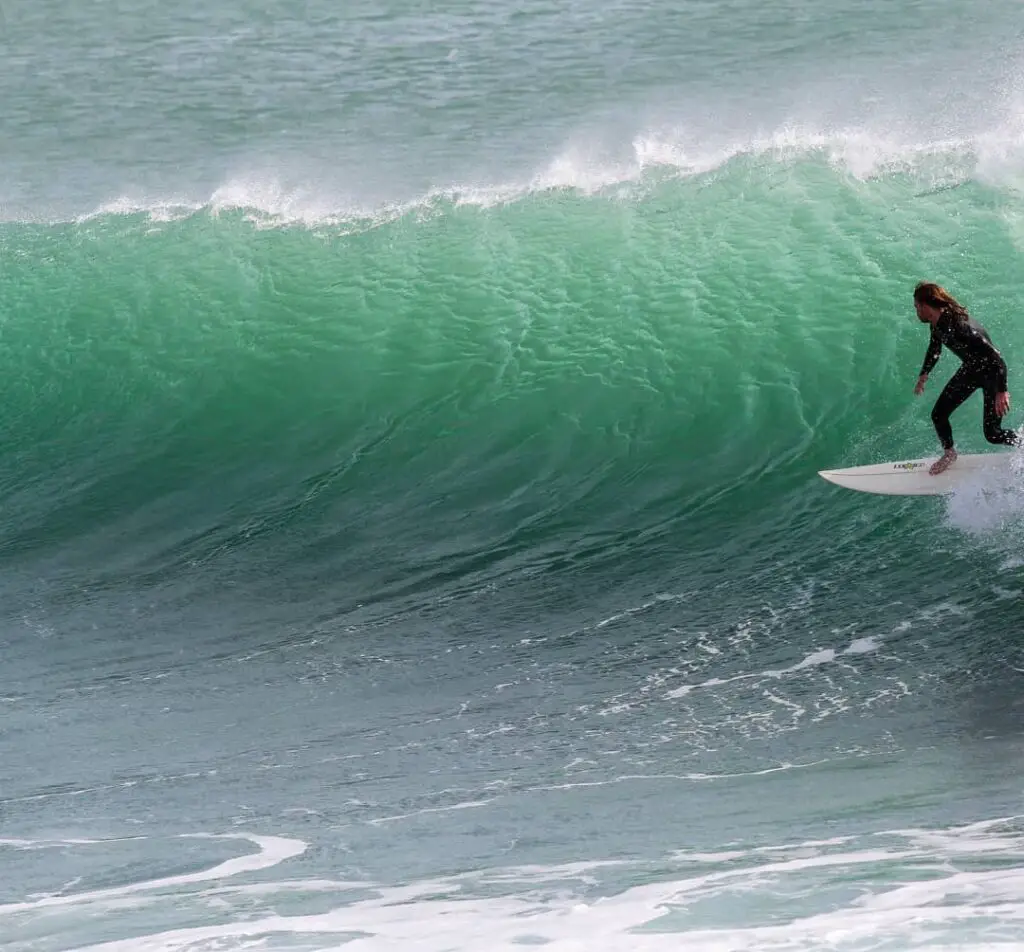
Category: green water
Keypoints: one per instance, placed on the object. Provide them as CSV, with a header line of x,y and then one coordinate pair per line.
x,y
547,370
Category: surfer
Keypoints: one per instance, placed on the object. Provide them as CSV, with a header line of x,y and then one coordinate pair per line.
x,y
982,367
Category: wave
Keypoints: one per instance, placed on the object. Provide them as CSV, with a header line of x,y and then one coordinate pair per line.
x,y
474,383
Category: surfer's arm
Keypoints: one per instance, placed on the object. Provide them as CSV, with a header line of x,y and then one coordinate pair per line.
x,y
931,357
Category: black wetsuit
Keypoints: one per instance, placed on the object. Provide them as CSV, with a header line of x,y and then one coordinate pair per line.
x,y
983,367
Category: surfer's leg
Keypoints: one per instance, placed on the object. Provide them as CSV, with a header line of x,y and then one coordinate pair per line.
x,y
994,431
961,385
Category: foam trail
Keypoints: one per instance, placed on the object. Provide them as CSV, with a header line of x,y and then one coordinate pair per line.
x,y
272,851
553,906
813,660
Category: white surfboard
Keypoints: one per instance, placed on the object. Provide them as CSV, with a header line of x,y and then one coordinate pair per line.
x,y
911,477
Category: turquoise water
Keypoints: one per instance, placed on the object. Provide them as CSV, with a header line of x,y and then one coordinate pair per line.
x,y
412,535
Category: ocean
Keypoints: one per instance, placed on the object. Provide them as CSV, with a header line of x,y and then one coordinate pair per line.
x,y
411,535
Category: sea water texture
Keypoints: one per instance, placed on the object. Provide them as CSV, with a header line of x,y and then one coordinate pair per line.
x,y
411,535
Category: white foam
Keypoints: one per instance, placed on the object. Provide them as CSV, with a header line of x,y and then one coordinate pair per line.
x,y
813,660
657,600
57,844
862,646
272,851
695,776
892,889
991,502
994,156
465,805
157,209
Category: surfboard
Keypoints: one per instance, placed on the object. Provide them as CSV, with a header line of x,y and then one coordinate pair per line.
x,y
910,477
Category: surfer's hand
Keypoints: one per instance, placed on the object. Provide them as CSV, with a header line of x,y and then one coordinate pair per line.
x,y
919,387
1002,403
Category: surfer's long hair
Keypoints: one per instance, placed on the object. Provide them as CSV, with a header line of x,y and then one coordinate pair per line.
x,y
934,295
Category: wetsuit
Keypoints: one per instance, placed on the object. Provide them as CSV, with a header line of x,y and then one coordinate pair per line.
x,y
982,367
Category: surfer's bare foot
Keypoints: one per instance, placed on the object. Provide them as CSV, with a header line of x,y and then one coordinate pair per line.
x,y
943,462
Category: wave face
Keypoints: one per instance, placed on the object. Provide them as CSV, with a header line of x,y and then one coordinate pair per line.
x,y
466,391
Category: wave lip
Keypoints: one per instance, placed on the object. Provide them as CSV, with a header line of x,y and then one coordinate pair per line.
x,y
994,157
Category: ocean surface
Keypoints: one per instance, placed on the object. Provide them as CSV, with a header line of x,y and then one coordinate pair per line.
x,y
410,528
